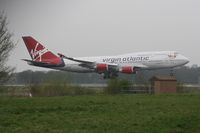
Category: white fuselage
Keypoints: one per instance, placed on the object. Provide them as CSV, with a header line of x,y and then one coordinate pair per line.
x,y
142,60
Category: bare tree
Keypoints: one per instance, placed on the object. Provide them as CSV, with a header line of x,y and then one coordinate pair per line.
x,y
6,46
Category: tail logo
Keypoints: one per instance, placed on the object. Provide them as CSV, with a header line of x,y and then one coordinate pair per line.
x,y
37,54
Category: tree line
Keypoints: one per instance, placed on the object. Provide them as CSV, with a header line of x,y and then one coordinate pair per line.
x,y
187,75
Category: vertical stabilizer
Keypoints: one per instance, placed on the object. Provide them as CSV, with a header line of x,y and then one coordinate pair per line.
x,y
39,53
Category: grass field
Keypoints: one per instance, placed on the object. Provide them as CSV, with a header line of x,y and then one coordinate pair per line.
x,y
177,113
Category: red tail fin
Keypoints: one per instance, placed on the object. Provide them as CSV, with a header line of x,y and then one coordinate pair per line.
x,y
39,53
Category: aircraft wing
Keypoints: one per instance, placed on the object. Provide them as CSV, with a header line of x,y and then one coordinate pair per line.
x,y
86,63
73,59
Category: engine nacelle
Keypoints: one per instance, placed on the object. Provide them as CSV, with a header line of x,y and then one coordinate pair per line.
x,y
127,70
101,67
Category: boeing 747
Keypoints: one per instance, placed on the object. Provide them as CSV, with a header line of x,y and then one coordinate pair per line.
x,y
109,66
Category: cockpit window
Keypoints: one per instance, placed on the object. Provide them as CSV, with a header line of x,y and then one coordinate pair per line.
x,y
173,55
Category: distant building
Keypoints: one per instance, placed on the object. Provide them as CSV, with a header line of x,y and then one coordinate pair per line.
x,y
163,84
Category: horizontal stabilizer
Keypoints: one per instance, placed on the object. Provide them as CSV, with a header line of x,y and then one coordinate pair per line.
x,y
35,62
43,64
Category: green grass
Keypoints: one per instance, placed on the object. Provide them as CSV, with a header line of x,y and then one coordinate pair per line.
x,y
177,113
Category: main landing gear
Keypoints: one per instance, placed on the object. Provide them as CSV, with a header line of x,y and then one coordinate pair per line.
x,y
109,75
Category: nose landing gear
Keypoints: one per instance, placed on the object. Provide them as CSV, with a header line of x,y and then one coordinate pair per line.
x,y
172,72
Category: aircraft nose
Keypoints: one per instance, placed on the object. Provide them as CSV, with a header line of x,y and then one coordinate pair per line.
x,y
186,60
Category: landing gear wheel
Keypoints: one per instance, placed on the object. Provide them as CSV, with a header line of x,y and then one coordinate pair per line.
x,y
172,72
109,75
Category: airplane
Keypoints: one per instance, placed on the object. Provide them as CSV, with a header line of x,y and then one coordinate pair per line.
x,y
108,66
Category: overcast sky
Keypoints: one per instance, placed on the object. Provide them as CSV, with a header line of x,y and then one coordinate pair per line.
x,y
104,27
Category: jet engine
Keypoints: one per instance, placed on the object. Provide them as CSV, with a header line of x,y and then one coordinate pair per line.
x,y
101,67
127,70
